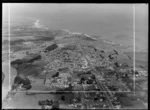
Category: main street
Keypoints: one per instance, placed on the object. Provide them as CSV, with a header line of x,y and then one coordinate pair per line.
x,y
103,89
95,73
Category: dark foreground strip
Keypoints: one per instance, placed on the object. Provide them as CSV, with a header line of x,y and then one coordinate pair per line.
x,y
74,109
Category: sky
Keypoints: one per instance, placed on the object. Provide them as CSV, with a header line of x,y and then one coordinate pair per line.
x,y
111,21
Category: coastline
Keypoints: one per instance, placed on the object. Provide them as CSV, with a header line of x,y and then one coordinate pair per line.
x,y
77,33
37,24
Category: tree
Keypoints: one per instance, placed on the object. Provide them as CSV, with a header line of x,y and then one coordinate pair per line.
x,y
18,80
88,72
62,97
117,64
27,86
136,72
92,77
55,105
70,87
55,75
82,79
51,47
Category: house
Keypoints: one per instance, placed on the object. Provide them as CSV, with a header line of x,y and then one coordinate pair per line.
x,y
48,82
143,73
60,83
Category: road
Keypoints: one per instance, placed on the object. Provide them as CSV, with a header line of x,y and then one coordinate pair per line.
x,y
95,73
103,89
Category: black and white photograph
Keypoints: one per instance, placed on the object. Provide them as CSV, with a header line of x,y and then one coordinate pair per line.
x,y
75,56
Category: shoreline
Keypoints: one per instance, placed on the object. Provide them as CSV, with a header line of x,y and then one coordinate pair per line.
x,y
36,24
76,33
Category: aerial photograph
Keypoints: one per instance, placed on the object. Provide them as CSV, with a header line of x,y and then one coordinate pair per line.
x,y
74,56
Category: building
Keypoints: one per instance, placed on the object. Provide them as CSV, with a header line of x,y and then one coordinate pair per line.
x,y
60,83
142,73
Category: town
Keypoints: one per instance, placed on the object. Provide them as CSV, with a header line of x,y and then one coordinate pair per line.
x,y
95,79
86,77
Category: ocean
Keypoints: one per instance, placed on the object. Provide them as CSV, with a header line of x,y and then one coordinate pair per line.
x,y
109,21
